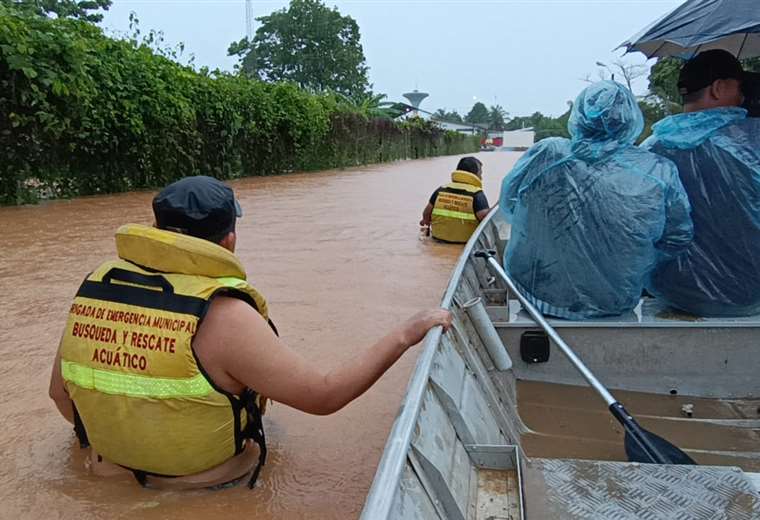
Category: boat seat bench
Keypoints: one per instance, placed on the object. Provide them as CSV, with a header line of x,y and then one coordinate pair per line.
x,y
654,349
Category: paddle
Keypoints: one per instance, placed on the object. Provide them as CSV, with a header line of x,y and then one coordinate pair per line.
x,y
640,445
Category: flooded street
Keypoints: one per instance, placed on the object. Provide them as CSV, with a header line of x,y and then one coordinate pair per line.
x,y
339,258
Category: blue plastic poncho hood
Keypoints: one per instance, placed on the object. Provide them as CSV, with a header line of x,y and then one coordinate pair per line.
x,y
605,116
689,130
591,215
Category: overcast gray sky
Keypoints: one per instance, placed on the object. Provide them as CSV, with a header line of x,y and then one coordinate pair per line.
x,y
525,55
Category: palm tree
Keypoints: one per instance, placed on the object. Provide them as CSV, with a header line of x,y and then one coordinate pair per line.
x,y
497,117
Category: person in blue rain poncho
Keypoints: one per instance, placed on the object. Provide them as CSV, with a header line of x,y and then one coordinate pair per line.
x,y
717,151
591,215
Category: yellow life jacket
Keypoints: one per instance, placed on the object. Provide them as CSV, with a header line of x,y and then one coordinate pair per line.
x,y
453,217
141,397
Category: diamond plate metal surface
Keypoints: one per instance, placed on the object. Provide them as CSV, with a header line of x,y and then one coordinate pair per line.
x,y
580,489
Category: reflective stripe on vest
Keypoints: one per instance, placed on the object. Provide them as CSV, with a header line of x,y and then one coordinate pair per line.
x,y
454,214
132,385
231,282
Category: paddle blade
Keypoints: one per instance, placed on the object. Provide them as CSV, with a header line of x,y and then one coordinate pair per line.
x,y
646,447
636,453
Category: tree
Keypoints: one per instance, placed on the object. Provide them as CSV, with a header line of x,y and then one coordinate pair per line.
x,y
451,117
497,118
630,72
156,42
663,80
374,105
308,44
653,109
478,114
63,8
544,126
627,71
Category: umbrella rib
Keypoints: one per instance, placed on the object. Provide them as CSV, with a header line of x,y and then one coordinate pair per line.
x,y
657,49
744,42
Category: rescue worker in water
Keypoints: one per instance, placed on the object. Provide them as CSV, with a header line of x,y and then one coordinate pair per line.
x,y
187,416
454,210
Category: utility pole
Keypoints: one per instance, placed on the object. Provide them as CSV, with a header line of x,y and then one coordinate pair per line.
x,y
249,19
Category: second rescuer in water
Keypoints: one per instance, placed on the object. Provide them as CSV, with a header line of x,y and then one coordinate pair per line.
x,y
454,210
168,351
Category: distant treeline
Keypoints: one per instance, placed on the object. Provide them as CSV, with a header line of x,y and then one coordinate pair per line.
x,y
81,113
547,126
544,126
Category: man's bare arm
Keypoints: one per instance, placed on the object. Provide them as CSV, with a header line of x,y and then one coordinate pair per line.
x,y
480,215
58,393
243,345
427,215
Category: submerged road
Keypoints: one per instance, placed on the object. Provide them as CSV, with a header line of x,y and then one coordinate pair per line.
x,y
339,257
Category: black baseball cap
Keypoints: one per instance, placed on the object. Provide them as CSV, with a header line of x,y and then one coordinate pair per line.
x,y
469,164
700,71
198,206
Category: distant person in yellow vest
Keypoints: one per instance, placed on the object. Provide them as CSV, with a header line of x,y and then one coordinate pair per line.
x,y
168,351
454,210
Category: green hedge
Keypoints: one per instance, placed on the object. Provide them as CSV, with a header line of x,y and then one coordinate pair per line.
x,y
81,114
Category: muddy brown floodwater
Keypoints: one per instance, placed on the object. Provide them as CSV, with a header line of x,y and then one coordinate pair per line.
x,y
339,257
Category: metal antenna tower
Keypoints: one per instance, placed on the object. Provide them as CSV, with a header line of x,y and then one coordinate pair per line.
x,y
249,19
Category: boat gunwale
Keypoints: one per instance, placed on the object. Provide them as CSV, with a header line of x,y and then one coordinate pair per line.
x,y
391,466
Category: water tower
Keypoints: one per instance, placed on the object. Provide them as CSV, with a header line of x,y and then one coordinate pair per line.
x,y
415,98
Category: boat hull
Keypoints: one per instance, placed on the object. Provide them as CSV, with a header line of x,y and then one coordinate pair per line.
x,y
529,440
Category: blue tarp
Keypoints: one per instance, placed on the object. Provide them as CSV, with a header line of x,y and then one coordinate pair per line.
x,y
591,215
717,153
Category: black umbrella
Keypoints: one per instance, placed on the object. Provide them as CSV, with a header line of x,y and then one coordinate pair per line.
x,y
700,25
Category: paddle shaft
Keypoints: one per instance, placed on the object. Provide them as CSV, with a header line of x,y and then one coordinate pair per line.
x,y
638,434
566,350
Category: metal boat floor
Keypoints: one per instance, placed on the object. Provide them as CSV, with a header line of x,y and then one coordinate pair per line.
x,y
582,489
569,422
498,496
